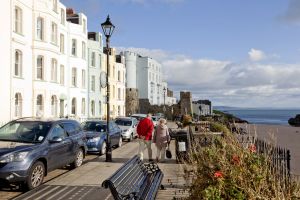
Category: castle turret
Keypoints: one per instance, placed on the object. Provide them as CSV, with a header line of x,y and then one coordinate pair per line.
x,y
132,101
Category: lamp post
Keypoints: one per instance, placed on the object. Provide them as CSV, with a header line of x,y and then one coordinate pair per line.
x,y
108,29
164,95
164,108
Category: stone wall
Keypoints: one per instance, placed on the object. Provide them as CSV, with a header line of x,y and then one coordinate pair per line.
x,y
171,112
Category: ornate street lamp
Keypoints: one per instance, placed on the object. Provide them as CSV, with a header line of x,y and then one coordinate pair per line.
x,y
108,29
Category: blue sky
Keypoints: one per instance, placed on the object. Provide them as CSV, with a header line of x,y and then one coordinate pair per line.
x,y
241,52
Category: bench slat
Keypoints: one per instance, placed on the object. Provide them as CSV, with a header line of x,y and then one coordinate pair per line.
x,y
135,180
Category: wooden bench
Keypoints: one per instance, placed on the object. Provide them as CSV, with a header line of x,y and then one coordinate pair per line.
x,y
135,180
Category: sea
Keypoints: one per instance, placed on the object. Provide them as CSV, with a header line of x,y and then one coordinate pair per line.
x,y
262,115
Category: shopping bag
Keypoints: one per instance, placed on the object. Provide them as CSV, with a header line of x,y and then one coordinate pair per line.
x,y
168,153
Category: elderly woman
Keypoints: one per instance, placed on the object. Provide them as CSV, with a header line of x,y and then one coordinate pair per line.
x,y
161,139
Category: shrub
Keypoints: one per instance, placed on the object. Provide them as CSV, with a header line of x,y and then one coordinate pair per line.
x,y
226,170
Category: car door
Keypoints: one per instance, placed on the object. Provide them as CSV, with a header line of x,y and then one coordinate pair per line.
x,y
117,133
134,124
72,130
112,134
58,150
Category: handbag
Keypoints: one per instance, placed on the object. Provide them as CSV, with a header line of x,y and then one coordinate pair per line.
x,y
168,153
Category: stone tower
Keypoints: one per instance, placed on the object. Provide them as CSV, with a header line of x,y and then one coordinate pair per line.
x,y
132,97
186,103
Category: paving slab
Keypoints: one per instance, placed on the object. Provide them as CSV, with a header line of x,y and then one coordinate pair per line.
x,y
85,182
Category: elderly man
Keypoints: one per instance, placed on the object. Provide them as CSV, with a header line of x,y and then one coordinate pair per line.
x,y
144,131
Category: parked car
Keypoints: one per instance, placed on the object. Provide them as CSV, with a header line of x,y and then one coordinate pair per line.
x,y
160,115
31,147
155,120
96,135
128,126
139,116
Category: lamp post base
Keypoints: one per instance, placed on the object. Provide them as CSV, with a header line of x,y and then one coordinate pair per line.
x,y
108,157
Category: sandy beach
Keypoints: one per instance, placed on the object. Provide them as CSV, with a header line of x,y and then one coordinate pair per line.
x,y
287,137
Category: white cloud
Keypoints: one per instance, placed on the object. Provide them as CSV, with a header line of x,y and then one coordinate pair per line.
x,y
228,83
256,55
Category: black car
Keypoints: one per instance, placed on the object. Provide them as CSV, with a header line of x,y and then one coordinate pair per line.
x,y
31,147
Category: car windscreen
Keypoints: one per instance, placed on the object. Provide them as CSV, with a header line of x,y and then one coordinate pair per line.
x,y
94,126
26,131
121,122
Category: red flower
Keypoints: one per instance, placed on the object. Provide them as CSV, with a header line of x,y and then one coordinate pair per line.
x,y
218,174
252,148
235,160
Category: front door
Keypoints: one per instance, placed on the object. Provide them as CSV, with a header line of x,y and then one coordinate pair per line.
x,y
62,107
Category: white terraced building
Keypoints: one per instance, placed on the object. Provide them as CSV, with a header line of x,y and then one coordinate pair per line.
x,y
145,75
96,66
43,60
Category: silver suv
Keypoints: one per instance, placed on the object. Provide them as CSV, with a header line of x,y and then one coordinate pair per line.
x,y
128,126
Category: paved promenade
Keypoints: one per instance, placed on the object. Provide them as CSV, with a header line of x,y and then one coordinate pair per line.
x,y
85,181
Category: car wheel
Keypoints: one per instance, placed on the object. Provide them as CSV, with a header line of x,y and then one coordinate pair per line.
x,y
120,142
131,138
78,159
36,175
103,149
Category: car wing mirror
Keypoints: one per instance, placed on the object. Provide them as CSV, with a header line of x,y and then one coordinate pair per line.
x,y
56,140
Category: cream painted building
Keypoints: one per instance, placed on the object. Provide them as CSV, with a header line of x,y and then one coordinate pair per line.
x,y
44,60
117,82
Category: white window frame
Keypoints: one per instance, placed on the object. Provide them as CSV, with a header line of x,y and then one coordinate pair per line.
x,y
62,75
74,47
83,106
93,59
53,70
83,56
54,106
74,77
54,5
39,105
62,16
18,21
93,108
40,68
18,105
62,43
74,106
93,84
83,78
18,63
40,28
54,33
